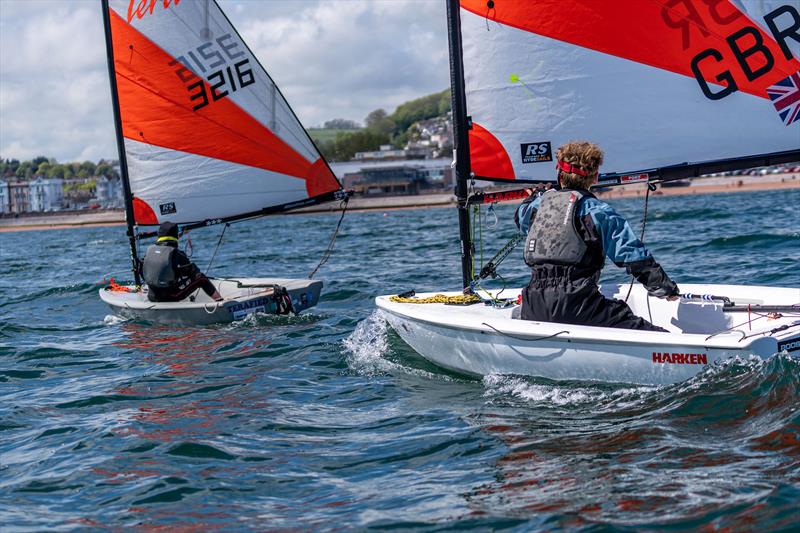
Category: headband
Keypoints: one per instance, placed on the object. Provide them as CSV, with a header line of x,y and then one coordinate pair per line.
x,y
570,169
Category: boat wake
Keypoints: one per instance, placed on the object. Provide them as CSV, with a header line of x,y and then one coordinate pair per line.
x,y
113,320
267,319
737,388
543,392
369,352
368,345
702,437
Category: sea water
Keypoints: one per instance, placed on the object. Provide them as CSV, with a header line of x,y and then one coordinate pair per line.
x,y
329,421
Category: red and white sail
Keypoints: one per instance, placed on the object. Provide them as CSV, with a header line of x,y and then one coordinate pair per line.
x,y
654,82
207,134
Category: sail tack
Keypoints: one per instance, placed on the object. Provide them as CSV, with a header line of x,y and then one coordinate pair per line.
x,y
207,134
654,82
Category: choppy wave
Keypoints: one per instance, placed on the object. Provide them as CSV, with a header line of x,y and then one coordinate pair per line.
x,y
701,214
760,241
329,420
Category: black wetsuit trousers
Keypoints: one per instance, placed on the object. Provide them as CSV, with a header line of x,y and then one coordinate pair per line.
x,y
568,301
176,295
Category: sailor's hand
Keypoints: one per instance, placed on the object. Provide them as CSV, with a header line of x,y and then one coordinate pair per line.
x,y
529,191
672,298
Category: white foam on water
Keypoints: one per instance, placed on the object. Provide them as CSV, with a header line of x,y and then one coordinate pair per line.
x,y
720,370
113,320
558,395
498,384
367,345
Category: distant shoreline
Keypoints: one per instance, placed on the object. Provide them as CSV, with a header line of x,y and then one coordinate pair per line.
x,y
116,217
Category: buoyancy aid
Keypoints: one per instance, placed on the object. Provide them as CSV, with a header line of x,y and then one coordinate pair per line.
x,y
158,267
553,237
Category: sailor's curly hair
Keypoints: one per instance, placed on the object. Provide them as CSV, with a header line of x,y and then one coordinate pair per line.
x,y
584,155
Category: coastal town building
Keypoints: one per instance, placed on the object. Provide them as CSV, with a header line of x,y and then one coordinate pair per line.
x,y
18,197
4,200
46,194
401,178
386,152
108,192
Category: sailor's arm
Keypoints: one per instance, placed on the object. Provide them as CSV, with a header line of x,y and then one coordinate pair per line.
x,y
184,266
626,250
526,212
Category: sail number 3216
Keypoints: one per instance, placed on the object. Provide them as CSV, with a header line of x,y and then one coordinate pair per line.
x,y
218,82
216,60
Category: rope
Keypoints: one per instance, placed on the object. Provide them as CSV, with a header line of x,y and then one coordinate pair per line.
x,y
113,286
524,338
327,253
641,238
461,299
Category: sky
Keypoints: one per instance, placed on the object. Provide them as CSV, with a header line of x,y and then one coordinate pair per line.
x,y
330,58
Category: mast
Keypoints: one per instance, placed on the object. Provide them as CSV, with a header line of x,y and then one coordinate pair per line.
x,y
123,163
461,127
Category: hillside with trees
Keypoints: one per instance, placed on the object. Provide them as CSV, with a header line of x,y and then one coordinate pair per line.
x,y
380,127
14,169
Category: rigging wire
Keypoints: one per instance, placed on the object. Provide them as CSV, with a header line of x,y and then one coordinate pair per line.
x,y
188,248
211,262
329,250
650,187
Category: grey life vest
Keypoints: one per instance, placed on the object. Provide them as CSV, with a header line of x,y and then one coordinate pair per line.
x,y
553,237
157,267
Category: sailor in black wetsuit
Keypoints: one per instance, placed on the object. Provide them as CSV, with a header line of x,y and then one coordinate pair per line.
x,y
168,272
569,234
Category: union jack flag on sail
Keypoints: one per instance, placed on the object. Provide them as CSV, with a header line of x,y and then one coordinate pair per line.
x,y
785,96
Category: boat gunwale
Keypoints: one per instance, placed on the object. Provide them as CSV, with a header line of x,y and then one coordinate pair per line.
x,y
691,339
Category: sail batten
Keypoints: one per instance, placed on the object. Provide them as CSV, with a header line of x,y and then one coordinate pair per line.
x,y
199,115
655,83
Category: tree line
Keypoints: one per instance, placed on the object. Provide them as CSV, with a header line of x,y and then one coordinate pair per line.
x,y
382,128
50,168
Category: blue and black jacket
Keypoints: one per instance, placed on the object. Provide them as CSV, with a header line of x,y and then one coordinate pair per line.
x,y
607,234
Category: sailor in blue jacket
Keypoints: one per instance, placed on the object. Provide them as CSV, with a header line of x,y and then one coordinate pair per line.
x,y
569,234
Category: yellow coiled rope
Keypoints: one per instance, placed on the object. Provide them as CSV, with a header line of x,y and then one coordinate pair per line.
x,y
460,299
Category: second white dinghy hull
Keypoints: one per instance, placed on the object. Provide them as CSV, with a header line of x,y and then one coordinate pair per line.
x,y
242,297
481,340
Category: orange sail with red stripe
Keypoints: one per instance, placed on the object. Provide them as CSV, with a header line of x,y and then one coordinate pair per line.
x,y
207,134
654,82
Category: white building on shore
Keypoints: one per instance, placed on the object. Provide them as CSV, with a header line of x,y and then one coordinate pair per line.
x,y
5,203
108,192
46,194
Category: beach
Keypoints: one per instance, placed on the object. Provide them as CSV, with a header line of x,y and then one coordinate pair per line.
x,y
710,185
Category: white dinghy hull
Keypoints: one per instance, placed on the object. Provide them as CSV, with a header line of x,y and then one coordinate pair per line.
x,y
242,297
480,340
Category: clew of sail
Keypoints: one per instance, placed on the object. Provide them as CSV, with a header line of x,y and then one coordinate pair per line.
x,y
654,82
207,135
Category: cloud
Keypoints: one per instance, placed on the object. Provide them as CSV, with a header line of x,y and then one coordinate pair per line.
x,y
330,58
54,92
345,59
